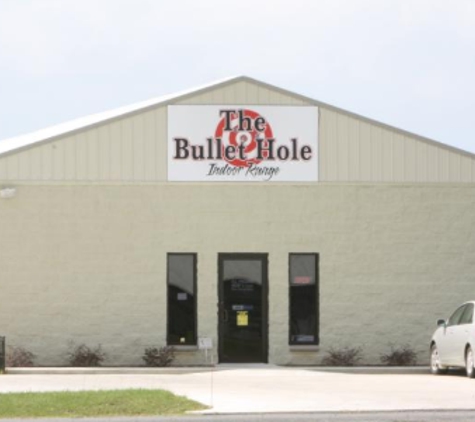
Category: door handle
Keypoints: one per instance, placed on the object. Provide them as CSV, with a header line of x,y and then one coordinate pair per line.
x,y
225,315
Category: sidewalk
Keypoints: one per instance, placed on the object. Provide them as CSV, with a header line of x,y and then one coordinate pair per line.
x,y
267,388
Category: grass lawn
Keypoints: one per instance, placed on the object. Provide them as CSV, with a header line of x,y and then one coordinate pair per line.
x,y
94,403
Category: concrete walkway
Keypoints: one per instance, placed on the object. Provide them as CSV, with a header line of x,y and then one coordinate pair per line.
x,y
266,388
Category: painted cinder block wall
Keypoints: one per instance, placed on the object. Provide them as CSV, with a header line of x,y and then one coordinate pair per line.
x,y
88,263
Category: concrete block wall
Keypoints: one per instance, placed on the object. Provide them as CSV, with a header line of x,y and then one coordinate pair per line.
x,y
87,263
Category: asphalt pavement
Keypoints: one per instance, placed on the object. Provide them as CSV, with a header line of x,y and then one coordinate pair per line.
x,y
409,416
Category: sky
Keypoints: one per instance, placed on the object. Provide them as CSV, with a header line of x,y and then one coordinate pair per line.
x,y
406,63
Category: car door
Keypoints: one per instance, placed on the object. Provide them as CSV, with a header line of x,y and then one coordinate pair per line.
x,y
461,335
447,348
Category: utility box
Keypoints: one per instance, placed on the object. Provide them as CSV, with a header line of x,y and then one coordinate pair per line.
x,y
2,355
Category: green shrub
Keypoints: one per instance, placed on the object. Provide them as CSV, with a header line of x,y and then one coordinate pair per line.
x,y
399,356
347,356
159,357
82,355
19,357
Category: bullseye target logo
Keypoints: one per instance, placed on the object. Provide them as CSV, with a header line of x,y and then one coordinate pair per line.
x,y
241,130
236,143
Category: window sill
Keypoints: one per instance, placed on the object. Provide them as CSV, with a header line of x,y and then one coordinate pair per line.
x,y
304,348
179,348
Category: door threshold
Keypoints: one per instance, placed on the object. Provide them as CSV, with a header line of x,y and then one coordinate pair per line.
x,y
256,365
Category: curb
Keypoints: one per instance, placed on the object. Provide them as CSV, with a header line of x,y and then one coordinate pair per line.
x,y
377,370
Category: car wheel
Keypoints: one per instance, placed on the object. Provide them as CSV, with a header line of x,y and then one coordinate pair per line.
x,y
469,363
435,366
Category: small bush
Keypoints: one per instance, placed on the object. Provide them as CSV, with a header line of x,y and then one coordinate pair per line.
x,y
399,356
159,357
19,357
343,357
82,355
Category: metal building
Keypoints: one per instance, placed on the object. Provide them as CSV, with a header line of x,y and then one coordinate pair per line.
x,y
240,216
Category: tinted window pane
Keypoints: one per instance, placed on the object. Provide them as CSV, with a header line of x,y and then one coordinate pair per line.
x,y
455,318
467,316
303,299
181,299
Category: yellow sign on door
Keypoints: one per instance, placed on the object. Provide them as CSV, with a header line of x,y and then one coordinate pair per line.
x,y
242,318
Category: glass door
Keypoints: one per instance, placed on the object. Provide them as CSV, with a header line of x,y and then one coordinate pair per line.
x,y
243,308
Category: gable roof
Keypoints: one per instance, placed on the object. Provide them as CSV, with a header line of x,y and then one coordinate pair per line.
x,y
19,142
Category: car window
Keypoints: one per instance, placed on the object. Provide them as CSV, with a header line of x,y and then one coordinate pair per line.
x,y
455,318
467,316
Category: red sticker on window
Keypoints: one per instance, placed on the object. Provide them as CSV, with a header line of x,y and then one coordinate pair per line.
x,y
302,280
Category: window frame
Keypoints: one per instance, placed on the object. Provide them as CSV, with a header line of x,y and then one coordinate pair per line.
x,y
316,341
457,321
469,307
195,298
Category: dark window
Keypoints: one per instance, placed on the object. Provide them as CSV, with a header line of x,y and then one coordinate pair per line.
x,y
467,316
303,286
455,318
181,299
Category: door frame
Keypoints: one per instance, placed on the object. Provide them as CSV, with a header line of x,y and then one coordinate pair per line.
x,y
237,256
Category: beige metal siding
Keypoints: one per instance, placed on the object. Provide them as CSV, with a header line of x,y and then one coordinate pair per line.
x,y
134,148
130,149
355,150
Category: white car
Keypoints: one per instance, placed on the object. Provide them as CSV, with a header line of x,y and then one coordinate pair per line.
x,y
453,343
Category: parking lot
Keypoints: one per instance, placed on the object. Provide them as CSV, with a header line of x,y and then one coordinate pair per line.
x,y
266,388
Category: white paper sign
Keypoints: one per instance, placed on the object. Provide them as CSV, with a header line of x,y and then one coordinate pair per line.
x,y
236,143
205,343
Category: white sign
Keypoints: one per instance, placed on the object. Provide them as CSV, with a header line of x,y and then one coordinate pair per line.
x,y
236,143
205,343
